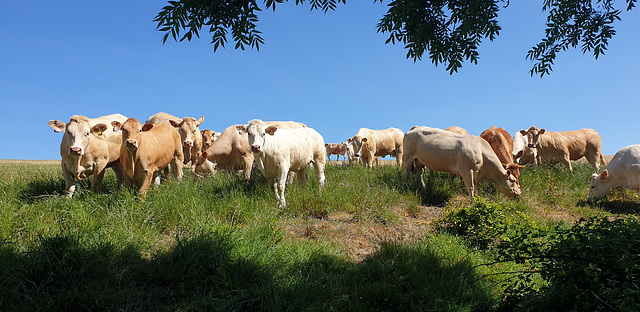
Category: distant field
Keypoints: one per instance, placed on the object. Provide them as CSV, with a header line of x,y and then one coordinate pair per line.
x,y
29,161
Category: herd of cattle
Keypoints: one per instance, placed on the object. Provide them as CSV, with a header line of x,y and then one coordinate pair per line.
x,y
139,153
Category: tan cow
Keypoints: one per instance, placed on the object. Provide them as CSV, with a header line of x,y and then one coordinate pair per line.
x,y
208,137
456,129
189,130
88,147
502,144
369,144
336,149
468,156
281,151
554,147
231,150
147,150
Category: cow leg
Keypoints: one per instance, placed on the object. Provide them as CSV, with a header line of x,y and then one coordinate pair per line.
x,y
98,176
248,162
69,181
567,161
176,168
146,182
469,182
117,169
281,184
319,168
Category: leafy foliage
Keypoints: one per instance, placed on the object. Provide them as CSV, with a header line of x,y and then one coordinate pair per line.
x,y
450,31
592,266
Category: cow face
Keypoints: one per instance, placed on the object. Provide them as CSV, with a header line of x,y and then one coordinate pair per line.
x,y
188,129
256,133
208,137
132,131
512,189
599,186
357,143
78,132
533,134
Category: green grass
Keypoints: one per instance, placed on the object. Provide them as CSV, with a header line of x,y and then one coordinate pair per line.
x,y
220,244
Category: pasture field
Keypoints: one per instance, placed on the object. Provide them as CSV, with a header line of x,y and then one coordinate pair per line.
x,y
370,241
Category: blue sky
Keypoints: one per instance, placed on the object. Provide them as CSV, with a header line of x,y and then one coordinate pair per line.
x,y
331,71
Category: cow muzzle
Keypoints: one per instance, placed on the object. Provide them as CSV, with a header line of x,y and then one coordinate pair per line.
x,y
131,144
76,151
188,143
255,148
531,145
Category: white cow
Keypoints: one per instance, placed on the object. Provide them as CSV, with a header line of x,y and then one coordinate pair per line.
x,y
623,170
369,144
522,153
468,156
89,147
280,151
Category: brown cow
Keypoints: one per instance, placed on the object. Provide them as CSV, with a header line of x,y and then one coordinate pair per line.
x,y
554,147
88,147
468,156
502,144
189,133
208,137
148,149
336,149
369,144
231,150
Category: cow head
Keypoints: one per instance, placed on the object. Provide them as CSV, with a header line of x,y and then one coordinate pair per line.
x,y
78,132
533,134
599,186
357,143
256,132
511,188
132,131
208,137
513,168
189,130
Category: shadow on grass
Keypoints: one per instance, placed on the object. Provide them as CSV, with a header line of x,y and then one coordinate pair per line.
x,y
439,188
206,273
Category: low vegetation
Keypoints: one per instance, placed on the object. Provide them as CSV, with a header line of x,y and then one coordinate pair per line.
x,y
370,241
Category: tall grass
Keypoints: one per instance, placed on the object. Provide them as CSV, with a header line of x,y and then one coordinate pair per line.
x,y
222,244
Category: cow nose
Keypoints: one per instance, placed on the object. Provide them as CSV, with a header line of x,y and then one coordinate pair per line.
x,y
188,143
531,145
356,155
132,143
255,148
75,150
207,144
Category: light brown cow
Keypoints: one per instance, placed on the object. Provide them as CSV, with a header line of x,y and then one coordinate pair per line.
x,y
88,147
554,147
147,150
189,130
336,149
468,156
231,150
456,129
502,144
208,137
369,144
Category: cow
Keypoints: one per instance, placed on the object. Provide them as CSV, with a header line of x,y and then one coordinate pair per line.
x,y
281,151
231,150
522,153
88,147
456,129
204,166
148,149
189,130
502,144
622,171
554,147
208,137
468,156
369,144
336,149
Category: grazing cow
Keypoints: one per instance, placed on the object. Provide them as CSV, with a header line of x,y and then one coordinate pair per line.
x,y
88,147
456,129
502,144
281,151
554,147
231,150
623,170
189,130
522,153
336,149
208,137
468,156
369,144
148,149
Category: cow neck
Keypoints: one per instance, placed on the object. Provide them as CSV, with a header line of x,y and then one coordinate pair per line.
x,y
130,169
76,166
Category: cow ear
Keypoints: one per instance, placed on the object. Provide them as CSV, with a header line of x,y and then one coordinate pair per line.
x,y
326,144
364,140
542,131
174,123
508,173
604,175
116,126
523,132
349,140
519,154
205,155
147,127
241,129
57,125
271,130
99,128
199,121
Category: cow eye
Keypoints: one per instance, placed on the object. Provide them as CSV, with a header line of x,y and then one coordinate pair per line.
x,y
87,134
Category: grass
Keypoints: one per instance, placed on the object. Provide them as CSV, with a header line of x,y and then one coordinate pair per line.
x,y
364,243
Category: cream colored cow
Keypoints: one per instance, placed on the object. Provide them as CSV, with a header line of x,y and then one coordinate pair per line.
x,y
622,171
369,144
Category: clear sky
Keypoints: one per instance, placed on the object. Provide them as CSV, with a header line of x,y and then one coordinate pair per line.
x,y
331,71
